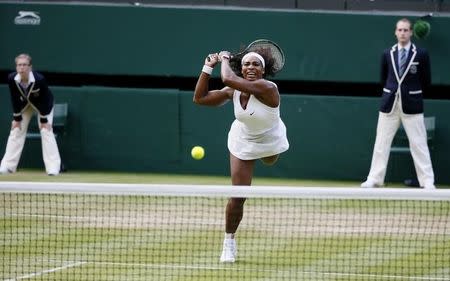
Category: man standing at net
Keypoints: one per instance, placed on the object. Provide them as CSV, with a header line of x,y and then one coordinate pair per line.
x,y
30,94
406,77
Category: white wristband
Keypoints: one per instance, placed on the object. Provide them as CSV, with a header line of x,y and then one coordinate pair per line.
x,y
207,69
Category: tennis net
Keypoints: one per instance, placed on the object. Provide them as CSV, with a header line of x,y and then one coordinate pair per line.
x,y
73,231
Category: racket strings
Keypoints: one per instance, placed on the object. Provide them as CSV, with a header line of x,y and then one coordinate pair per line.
x,y
261,46
272,50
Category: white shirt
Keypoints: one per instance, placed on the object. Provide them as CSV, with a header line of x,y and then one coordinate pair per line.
x,y
31,79
258,130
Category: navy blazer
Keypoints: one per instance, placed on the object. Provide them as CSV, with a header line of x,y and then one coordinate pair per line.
x,y
413,84
37,94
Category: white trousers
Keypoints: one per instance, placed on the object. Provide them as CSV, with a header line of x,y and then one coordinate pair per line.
x,y
414,125
16,141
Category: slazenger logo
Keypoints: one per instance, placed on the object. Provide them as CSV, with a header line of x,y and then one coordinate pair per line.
x,y
28,18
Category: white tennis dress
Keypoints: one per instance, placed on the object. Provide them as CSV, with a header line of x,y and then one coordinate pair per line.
x,y
258,130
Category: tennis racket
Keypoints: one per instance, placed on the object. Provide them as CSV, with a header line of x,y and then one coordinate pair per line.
x,y
263,45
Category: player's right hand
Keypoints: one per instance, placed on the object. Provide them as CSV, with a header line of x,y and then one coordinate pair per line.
x,y
224,55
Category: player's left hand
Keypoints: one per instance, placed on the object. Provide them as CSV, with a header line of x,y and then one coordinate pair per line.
x,y
212,59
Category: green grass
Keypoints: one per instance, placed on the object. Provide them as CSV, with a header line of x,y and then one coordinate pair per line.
x,y
121,177
106,237
103,237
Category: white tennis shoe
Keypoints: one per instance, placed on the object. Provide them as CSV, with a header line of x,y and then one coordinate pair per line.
x,y
4,171
229,251
370,184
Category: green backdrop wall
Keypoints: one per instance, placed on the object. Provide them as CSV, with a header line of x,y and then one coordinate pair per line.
x,y
146,40
153,130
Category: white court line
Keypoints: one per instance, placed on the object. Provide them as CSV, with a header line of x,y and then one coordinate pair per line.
x,y
230,267
31,275
234,267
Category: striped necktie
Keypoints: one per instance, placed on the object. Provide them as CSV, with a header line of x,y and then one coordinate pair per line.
x,y
402,63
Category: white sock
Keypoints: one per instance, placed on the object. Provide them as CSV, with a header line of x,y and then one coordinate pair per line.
x,y
229,235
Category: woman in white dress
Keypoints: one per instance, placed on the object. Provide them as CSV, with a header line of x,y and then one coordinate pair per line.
x,y
257,132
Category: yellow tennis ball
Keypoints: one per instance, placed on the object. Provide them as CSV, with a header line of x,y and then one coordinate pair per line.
x,y
197,152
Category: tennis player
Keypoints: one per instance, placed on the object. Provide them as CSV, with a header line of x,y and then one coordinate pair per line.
x,y
30,95
257,132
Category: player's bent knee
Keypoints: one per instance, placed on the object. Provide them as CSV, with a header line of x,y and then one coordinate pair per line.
x,y
17,132
46,130
270,160
46,133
